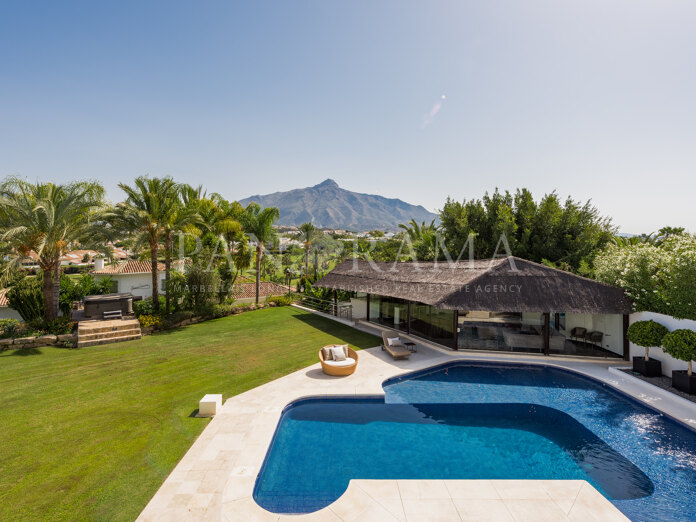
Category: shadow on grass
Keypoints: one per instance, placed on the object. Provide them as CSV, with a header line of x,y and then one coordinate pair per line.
x,y
343,332
27,351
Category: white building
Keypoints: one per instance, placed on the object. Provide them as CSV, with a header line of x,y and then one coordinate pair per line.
x,y
130,276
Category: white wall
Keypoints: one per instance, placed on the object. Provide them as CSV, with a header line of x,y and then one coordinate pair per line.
x,y
669,363
610,325
9,313
136,284
359,308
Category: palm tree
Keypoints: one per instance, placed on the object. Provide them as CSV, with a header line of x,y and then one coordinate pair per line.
x,y
147,211
259,224
308,233
416,231
46,218
183,218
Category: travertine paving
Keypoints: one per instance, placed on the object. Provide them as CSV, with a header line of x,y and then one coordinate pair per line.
x,y
215,479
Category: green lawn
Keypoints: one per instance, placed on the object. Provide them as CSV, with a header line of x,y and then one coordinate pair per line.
x,y
92,433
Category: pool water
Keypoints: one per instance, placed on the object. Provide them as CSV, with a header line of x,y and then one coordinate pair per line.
x,y
484,421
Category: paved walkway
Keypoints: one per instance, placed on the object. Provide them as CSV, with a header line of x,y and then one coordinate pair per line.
x,y
215,479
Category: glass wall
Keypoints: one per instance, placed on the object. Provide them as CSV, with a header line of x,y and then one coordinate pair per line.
x,y
503,331
390,312
421,320
431,323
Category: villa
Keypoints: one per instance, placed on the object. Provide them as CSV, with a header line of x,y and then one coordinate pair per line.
x,y
504,305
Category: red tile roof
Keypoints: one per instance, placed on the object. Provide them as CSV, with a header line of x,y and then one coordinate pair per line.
x,y
128,267
248,290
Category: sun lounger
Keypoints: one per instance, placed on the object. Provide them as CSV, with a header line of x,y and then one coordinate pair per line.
x,y
397,350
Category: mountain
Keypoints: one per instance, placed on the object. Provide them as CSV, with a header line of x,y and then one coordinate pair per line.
x,y
327,205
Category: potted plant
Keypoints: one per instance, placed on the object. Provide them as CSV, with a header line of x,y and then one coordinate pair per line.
x,y
681,344
647,334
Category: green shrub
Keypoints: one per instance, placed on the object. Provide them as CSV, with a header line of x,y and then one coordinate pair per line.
x,y
26,297
279,300
647,334
146,306
681,344
9,327
657,277
59,326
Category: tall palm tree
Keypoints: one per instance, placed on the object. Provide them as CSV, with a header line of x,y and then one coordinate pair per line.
x,y
148,209
46,218
182,218
308,233
259,224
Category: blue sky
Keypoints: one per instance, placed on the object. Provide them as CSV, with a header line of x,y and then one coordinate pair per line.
x,y
594,99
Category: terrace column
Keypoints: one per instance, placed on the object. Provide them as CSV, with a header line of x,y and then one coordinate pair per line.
x,y
547,321
626,346
335,299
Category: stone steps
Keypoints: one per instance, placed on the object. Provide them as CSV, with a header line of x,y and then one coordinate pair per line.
x,y
113,325
109,340
92,333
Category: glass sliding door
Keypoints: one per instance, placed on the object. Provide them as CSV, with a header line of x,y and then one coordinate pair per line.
x,y
391,312
432,323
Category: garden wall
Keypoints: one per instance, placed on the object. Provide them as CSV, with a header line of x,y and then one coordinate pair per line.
x,y
669,363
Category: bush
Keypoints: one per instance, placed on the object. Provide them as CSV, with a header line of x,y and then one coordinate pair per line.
x,y
9,327
59,326
146,306
148,320
279,300
647,334
27,298
681,344
656,277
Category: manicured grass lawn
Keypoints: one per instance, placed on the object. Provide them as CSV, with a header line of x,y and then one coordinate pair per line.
x,y
92,433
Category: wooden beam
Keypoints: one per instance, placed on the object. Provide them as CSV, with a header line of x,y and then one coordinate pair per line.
x,y
367,315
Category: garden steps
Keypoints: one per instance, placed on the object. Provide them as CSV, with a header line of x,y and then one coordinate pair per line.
x,y
92,333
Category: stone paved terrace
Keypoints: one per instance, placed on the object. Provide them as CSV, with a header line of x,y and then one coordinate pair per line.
x,y
215,479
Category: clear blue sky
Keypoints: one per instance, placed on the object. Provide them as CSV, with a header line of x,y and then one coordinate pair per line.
x,y
595,99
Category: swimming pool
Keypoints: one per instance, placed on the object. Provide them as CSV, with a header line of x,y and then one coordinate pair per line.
x,y
475,420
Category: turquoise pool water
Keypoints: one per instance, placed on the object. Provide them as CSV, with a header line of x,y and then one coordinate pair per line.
x,y
484,421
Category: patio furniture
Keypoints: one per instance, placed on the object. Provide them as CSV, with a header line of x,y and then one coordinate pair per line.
x,y
594,337
578,332
338,368
397,349
411,346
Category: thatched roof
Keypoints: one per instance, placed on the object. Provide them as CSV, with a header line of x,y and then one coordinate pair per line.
x,y
498,285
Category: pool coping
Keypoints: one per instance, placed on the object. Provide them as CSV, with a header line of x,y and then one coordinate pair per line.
x,y
216,477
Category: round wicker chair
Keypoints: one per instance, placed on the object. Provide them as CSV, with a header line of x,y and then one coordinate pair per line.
x,y
338,371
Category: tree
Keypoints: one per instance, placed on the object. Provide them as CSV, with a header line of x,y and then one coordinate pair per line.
x,y
681,344
148,209
308,233
46,218
259,224
646,334
563,234
181,218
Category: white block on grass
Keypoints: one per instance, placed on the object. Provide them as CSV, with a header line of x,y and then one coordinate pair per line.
x,y
209,405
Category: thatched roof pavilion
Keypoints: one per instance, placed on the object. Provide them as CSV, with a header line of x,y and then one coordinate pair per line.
x,y
507,284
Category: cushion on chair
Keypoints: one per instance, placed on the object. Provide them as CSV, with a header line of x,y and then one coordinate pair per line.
x,y
326,353
393,340
338,353
349,361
